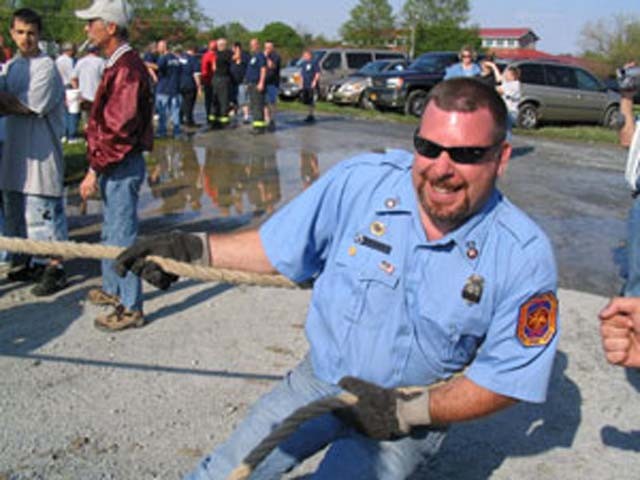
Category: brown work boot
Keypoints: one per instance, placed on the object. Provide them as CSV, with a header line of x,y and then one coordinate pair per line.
x,y
97,296
119,319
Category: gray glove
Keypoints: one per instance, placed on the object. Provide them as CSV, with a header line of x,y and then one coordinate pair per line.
x,y
385,413
184,247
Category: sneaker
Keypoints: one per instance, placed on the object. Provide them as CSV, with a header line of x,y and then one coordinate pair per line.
x,y
53,280
246,121
26,273
310,119
97,296
272,126
119,319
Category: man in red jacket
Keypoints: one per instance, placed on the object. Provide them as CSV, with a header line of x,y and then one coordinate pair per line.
x,y
207,67
119,130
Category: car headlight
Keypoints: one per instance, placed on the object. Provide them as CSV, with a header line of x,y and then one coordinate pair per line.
x,y
395,82
297,79
352,87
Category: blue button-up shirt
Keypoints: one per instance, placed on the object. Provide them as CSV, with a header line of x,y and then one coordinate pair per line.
x,y
387,303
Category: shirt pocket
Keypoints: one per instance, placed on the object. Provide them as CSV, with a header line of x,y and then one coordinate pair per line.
x,y
370,283
455,327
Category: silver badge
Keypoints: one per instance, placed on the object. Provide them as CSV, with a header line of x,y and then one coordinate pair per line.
x,y
472,291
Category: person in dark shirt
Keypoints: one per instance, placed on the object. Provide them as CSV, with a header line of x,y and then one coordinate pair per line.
x,y
310,77
189,84
168,98
239,61
254,78
221,83
272,83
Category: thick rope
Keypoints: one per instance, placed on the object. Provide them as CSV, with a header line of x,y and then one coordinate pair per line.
x,y
286,428
181,269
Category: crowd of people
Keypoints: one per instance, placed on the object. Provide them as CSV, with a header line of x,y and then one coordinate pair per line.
x,y
423,272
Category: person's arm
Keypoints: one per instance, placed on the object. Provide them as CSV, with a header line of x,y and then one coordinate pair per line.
x,y
263,75
10,105
461,399
620,331
385,414
239,251
625,135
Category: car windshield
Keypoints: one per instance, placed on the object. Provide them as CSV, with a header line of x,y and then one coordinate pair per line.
x,y
372,68
429,64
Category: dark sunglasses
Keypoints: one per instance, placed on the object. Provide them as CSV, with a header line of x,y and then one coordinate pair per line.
x,y
465,155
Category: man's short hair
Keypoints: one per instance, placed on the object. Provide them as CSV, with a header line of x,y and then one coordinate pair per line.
x,y
468,95
237,45
28,16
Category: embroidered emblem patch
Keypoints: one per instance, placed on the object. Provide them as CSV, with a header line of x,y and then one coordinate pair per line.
x,y
537,322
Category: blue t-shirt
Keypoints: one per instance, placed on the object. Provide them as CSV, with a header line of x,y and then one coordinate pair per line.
x,y
189,67
308,70
391,307
169,71
456,70
257,62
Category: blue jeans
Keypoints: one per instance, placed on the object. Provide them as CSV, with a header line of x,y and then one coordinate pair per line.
x,y
168,107
632,285
4,255
36,217
120,189
350,455
71,121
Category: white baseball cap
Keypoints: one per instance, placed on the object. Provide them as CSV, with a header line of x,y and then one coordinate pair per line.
x,y
115,11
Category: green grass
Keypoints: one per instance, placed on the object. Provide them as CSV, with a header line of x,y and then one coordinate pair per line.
x,y
578,133
75,162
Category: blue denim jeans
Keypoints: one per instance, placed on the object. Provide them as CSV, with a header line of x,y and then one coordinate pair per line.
x,y
632,285
71,121
36,217
350,455
168,107
120,189
4,255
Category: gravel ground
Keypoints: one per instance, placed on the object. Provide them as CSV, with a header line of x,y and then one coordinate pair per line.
x,y
148,403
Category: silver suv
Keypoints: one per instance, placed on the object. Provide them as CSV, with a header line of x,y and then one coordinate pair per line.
x,y
335,64
557,92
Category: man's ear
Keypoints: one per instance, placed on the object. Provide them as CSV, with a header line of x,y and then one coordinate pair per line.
x,y
504,156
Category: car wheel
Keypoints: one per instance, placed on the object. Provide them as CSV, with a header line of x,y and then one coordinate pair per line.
x,y
612,118
415,103
365,103
528,116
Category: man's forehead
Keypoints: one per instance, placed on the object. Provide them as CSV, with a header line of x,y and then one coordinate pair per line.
x,y
436,119
20,25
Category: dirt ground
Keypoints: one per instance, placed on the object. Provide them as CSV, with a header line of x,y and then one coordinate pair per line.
x,y
148,403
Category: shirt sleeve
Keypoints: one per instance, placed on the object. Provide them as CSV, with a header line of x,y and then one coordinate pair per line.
x,y
45,88
297,237
505,364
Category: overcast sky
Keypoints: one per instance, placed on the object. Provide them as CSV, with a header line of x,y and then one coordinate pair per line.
x,y
558,23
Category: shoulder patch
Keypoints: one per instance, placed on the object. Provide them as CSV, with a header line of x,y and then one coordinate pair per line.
x,y
537,322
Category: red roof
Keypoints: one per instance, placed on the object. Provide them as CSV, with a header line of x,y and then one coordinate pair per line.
x,y
505,32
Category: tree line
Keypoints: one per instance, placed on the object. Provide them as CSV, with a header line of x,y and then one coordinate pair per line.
x,y
420,26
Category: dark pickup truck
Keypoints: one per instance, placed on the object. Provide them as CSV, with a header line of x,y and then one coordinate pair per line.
x,y
407,90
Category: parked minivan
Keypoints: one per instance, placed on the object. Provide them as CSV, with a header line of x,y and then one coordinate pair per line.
x,y
558,92
334,63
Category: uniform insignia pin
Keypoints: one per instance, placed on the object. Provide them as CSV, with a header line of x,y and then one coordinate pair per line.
x,y
378,228
390,203
387,267
352,251
472,251
472,291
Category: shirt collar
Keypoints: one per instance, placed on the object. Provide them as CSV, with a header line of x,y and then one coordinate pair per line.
x,y
115,56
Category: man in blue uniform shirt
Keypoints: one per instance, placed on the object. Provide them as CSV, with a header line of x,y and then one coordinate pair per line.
x,y
423,272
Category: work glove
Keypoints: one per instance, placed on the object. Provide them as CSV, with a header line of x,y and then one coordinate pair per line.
x,y
384,413
184,247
